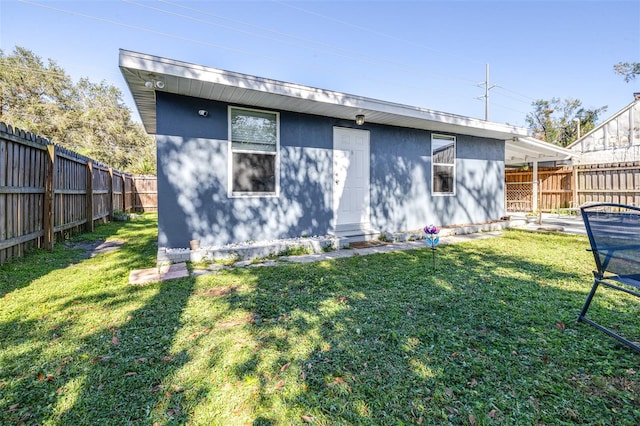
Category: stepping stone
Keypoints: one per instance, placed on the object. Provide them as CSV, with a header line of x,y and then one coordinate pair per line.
x,y
551,228
164,273
94,248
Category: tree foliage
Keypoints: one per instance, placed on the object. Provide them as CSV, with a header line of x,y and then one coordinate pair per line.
x,y
86,117
554,121
629,70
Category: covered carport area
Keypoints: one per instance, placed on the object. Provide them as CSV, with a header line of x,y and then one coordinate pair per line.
x,y
528,152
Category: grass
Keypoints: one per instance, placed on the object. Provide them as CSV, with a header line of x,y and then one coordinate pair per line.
x,y
294,250
488,338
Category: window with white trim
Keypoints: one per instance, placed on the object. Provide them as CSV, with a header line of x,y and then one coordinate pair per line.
x,y
254,151
443,164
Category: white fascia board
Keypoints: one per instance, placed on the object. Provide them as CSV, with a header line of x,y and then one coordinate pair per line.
x,y
531,149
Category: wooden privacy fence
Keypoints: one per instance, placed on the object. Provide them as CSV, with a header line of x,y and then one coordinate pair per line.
x,y
144,190
48,192
554,189
608,183
572,186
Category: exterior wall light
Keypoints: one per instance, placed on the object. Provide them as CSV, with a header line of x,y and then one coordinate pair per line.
x,y
203,112
360,119
151,83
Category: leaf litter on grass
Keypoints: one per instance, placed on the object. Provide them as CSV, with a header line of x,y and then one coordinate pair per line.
x,y
488,337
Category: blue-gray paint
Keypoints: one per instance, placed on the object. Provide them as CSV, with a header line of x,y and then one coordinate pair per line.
x,y
401,196
192,178
177,115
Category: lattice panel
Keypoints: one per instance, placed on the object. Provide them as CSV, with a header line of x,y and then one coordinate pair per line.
x,y
519,196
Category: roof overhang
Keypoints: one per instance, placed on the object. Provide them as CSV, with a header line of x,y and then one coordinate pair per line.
x,y
521,150
142,71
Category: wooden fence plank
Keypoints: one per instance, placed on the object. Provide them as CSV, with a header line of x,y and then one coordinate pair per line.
x,y
89,196
49,206
110,187
4,213
31,198
19,219
11,197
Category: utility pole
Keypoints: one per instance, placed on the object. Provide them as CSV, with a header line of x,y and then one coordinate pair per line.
x,y
487,87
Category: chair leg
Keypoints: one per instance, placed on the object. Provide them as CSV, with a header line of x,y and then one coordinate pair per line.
x,y
596,283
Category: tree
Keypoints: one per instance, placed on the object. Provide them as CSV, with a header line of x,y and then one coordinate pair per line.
x,y
629,70
35,96
89,118
554,121
109,135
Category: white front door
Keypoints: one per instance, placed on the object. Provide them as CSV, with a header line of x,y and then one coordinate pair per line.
x,y
350,178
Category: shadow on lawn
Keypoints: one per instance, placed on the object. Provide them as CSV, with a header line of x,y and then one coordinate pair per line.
x,y
105,372
129,373
484,338
378,339
21,272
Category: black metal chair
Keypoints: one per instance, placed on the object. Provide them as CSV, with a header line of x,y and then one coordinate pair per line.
x,y
614,235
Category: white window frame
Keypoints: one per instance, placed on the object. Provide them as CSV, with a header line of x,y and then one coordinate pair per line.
x,y
231,151
453,166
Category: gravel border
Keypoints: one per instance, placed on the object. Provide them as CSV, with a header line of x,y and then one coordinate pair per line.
x,y
246,253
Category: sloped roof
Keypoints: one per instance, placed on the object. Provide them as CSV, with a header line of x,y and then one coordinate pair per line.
x,y
143,72
528,149
626,110
211,83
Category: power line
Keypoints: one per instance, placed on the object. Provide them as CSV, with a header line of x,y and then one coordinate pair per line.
x,y
509,108
351,55
368,59
250,25
143,29
189,40
333,47
515,93
372,31
253,34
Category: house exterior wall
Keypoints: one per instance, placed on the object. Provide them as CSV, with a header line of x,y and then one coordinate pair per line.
x,y
616,140
193,199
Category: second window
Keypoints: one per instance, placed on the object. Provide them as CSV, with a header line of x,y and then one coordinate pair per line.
x,y
443,164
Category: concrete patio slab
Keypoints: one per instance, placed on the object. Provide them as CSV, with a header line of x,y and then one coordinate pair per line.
x,y
163,273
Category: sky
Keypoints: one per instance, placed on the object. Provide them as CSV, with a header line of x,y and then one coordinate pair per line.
x,y
429,54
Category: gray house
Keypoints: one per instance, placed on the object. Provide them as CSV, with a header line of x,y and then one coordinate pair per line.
x,y
247,158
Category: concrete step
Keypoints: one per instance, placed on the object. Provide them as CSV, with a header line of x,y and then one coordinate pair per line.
x,y
347,237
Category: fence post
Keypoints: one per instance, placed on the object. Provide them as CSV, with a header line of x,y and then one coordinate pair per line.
x,y
535,201
89,203
575,203
48,205
124,193
506,190
540,205
111,195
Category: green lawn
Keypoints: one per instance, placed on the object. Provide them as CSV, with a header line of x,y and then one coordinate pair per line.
x,y
488,338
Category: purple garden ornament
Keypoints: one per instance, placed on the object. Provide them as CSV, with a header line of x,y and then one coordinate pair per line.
x,y
432,241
